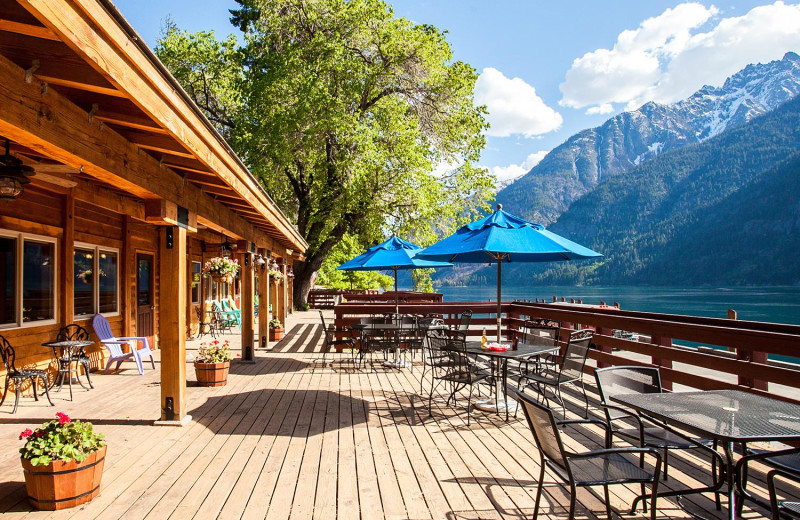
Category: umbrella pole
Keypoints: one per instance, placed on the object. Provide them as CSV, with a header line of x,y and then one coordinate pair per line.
x,y
499,273
396,301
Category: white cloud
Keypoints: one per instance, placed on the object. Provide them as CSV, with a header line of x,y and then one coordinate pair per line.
x,y
504,173
670,56
605,108
514,107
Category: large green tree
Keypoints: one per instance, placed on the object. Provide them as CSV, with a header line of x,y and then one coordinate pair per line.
x,y
343,111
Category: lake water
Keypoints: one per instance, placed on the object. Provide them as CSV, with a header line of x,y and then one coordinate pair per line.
x,y
771,304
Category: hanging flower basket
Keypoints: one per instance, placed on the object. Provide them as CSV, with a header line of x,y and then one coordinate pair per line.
x,y
221,269
63,463
276,276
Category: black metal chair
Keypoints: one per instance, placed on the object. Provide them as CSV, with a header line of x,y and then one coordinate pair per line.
x,y
65,359
562,370
424,325
623,380
592,468
777,506
20,376
331,342
204,327
463,323
450,363
541,331
785,462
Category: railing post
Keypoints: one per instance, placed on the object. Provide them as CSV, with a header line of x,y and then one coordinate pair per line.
x,y
604,331
751,357
663,362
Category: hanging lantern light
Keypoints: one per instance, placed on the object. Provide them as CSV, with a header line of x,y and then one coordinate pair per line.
x,y
225,250
13,175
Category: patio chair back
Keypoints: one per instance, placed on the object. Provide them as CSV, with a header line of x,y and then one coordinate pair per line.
x,y
575,355
541,331
450,346
101,327
8,355
72,332
464,320
621,380
434,354
329,338
545,431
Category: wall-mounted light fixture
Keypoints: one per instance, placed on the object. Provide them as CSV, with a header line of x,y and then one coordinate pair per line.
x,y
13,175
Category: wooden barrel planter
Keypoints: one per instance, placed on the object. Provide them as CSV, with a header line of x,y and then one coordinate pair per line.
x,y
212,374
276,334
64,483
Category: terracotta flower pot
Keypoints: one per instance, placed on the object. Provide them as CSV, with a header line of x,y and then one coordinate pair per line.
x,y
275,334
212,374
64,483
224,278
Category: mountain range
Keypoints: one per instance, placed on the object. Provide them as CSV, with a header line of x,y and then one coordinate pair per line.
x,y
629,139
703,191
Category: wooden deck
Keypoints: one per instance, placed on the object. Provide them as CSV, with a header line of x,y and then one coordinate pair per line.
x,y
288,439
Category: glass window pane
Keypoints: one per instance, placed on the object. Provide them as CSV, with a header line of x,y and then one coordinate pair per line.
x,y
83,293
143,296
108,281
8,268
38,281
196,282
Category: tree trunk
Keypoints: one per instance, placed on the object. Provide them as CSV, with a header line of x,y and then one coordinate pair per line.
x,y
305,273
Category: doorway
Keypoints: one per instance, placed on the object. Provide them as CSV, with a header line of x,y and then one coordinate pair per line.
x,y
145,306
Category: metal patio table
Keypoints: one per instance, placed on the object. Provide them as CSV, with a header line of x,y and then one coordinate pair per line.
x,y
70,350
728,416
500,363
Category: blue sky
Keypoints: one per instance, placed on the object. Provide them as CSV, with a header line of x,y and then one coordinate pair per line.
x,y
550,69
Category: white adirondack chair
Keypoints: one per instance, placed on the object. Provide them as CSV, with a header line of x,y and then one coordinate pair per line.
x,y
114,346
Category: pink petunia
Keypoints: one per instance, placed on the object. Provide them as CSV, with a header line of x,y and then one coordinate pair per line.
x,y
27,432
62,418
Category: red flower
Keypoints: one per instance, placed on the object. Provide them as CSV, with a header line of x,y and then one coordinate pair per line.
x,y
216,342
62,418
27,432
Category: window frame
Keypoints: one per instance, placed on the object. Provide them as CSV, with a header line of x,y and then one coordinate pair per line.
x,y
19,255
199,282
96,251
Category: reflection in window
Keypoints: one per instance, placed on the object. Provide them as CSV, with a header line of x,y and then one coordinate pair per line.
x,y
145,274
8,271
108,281
83,299
196,282
38,277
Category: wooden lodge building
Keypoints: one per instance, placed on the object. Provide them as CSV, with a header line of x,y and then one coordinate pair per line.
x,y
129,180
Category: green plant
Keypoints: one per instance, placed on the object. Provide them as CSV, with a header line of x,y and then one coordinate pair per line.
x,y
221,266
61,439
214,352
275,324
276,275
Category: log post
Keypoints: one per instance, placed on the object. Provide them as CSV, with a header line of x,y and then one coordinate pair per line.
x,y
284,295
247,307
172,325
263,301
68,260
604,331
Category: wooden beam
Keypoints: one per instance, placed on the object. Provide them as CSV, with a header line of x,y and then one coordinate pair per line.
x,y
172,324
138,122
105,198
93,33
67,261
81,85
263,302
37,31
48,123
157,143
247,307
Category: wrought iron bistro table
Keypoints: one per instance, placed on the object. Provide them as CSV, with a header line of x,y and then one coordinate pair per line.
x,y
500,368
70,351
729,416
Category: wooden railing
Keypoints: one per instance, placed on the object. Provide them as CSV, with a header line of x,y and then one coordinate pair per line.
x,y
737,361
402,296
328,298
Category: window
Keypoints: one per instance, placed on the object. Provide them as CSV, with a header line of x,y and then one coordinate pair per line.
x,y
96,280
28,279
196,282
38,281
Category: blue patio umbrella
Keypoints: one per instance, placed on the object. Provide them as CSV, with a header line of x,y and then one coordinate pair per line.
x,y
394,254
502,237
